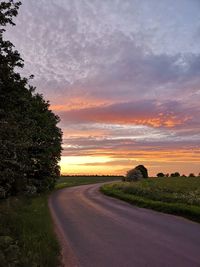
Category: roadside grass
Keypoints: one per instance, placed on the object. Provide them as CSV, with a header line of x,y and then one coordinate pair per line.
x,y
27,237
27,234
179,196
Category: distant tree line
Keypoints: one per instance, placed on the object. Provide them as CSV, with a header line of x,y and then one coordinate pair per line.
x,y
175,174
30,141
140,172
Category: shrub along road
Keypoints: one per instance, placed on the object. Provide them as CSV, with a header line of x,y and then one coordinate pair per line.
x,y
98,231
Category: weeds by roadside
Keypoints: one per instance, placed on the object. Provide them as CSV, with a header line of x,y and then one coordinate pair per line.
x,y
27,235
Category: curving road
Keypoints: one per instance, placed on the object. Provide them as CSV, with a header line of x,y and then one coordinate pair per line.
x,y
98,231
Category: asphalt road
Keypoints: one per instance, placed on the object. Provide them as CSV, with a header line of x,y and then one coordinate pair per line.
x,y
98,231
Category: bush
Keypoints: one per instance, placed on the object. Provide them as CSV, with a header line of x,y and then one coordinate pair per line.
x,y
143,170
9,251
133,175
160,174
176,174
138,173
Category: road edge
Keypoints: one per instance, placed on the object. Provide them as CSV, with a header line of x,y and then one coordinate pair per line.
x,y
68,258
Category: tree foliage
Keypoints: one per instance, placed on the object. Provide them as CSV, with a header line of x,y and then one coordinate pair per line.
x,y
138,173
133,175
30,141
176,174
160,174
143,170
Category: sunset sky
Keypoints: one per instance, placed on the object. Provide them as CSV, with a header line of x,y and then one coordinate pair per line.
x,y
124,77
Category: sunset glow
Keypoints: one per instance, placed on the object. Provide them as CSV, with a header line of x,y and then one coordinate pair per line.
x,y
123,78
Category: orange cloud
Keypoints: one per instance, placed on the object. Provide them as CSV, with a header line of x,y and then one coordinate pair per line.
x,y
139,113
83,115
78,103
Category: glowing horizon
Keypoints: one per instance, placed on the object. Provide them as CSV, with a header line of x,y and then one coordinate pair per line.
x,y
155,162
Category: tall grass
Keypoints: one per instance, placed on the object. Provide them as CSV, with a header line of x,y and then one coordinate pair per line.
x,y
28,222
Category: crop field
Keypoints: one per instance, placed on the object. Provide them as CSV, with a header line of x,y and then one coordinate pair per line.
x,y
179,196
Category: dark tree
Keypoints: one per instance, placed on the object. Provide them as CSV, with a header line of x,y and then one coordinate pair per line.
x,y
176,174
138,173
30,141
133,175
143,170
160,174
191,175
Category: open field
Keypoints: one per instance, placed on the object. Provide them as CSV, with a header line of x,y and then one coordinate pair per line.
x,y
27,235
67,181
179,196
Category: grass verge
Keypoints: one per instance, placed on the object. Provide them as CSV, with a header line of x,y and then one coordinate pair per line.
x,y
27,234
27,237
178,197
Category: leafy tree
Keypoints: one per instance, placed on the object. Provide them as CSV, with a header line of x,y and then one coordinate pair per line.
x,y
30,141
138,173
143,170
176,174
160,174
191,175
133,175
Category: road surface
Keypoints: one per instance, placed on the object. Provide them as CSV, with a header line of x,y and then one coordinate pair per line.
x,y
98,231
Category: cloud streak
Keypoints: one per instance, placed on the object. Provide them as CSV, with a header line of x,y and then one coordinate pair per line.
x,y
146,112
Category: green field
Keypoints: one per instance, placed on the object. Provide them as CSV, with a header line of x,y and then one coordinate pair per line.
x,y
67,181
180,196
27,237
